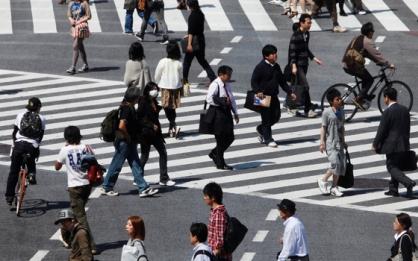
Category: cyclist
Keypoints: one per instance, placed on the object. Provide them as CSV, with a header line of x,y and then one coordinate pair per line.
x,y
366,47
27,135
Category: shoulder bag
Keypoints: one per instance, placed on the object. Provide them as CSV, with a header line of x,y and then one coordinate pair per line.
x,y
398,256
207,117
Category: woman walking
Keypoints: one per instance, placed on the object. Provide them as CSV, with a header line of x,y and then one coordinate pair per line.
x,y
168,77
137,71
404,246
150,132
134,248
195,45
78,14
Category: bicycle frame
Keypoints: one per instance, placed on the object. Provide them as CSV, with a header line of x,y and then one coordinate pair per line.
x,y
22,184
382,78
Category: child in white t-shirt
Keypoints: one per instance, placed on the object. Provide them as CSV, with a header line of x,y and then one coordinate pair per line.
x,y
79,187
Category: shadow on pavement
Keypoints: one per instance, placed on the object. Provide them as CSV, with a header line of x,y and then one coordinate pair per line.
x,y
38,207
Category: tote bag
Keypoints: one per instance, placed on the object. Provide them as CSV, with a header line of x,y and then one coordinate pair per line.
x,y
347,181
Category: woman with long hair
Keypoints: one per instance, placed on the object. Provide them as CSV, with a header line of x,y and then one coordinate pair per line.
x,y
137,71
404,238
78,14
134,248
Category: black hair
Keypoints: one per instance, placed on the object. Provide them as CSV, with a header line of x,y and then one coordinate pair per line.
x,y
200,231
149,87
173,51
332,94
295,26
269,49
136,52
391,93
72,135
406,223
193,4
213,191
132,94
224,69
367,28
303,17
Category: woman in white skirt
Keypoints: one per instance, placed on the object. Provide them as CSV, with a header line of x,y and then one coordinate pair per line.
x,y
168,78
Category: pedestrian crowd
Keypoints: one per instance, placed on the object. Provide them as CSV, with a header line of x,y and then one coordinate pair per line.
x,y
136,122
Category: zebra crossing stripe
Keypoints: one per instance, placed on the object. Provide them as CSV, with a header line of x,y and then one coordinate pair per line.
x,y
43,16
94,24
121,14
257,15
19,86
386,17
396,206
6,17
174,17
350,22
215,15
413,5
16,78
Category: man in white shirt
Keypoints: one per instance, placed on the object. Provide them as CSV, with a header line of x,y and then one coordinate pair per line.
x,y
295,245
29,128
198,237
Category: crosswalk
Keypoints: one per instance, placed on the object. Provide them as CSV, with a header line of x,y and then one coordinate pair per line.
x,y
290,171
47,16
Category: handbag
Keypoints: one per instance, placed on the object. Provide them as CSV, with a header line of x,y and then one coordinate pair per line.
x,y
185,41
398,256
409,161
253,103
347,181
206,121
299,91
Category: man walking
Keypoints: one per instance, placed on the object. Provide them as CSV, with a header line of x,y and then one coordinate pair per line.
x,y
267,76
299,53
392,139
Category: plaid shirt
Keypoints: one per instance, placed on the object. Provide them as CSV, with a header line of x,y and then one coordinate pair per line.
x,y
216,229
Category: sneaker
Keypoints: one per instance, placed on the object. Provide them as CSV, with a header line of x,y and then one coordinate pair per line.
x,y
336,192
272,144
84,68
311,114
110,193
148,192
9,200
139,37
323,186
292,112
168,183
32,178
362,12
129,33
71,70
339,29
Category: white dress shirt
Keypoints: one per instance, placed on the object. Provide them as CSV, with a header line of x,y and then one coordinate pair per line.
x,y
225,90
201,257
294,239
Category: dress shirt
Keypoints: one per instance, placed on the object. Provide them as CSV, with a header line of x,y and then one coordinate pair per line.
x,y
398,235
225,90
294,239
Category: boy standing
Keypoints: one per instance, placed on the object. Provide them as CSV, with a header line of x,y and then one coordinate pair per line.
x,y
218,219
198,237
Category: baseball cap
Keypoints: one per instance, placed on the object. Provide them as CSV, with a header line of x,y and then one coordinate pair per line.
x,y
33,104
287,205
63,215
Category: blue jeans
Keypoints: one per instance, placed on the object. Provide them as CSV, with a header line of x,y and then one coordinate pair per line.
x,y
125,151
129,20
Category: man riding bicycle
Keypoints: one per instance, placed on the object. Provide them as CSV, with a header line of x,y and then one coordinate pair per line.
x,y
29,128
361,47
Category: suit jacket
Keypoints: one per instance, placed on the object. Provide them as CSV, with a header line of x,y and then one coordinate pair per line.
x,y
394,130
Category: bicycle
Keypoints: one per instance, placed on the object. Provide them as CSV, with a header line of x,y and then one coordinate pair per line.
x,y
349,93
22,183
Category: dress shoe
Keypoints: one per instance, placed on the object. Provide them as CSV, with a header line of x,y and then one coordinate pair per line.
x,y
392,193
409,192
213,157
225,167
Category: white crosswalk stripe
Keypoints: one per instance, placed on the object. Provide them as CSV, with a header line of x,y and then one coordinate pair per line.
x,y
45,19
291,171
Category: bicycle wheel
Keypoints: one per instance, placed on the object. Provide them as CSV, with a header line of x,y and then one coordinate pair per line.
x,y
348,94
405,96
21,190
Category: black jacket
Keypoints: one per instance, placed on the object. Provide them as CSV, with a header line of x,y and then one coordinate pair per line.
x,y
266,79
394,130
148,116
407,248
299,51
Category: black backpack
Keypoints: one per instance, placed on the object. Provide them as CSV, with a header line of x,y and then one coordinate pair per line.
x,y
234,234
109,126
206,253
31,125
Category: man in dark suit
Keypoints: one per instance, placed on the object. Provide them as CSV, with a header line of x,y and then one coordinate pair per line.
x,y
392,139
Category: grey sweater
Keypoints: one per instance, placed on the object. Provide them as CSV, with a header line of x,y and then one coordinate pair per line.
x,y
137,74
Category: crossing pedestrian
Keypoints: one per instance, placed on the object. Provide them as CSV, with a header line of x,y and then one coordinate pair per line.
x,y
198,236
404,246
157,7
332,9
265,80
299,55
195,42
78,14
168,77
332,141
137,71
79,187
126,148
28,132
218,219
130,6
392,139
134,248
147,114
78,237
222,103
294,240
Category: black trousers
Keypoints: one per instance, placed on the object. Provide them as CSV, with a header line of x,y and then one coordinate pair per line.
x,y
393,163
366,78
200,56
171,116
20,148
303,81
269,116
159,145
223,141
